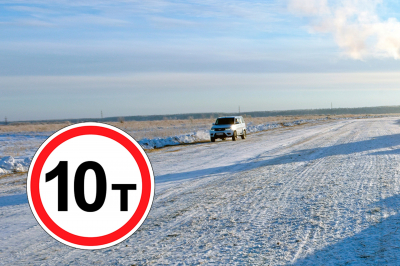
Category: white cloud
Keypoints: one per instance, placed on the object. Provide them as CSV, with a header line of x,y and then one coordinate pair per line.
x,y
355,25
309,7
174,13
172,22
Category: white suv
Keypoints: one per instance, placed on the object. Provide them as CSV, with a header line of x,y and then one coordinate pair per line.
x,y
228,126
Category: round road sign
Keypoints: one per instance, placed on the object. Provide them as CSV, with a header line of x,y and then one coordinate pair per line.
x,y
90,185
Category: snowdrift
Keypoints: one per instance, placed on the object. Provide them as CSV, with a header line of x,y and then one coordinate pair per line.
x,y
194,137
9,164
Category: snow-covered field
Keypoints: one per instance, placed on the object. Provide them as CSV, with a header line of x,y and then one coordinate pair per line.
x,y
323,193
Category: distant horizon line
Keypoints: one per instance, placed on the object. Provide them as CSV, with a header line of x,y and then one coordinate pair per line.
x,y
198,115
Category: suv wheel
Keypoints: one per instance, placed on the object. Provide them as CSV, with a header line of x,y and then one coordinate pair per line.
x,y
234,137
212,139
244,134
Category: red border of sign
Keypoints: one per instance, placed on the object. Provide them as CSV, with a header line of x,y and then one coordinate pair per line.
x,y
136,217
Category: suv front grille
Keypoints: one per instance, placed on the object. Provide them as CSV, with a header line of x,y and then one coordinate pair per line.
x,y
219,129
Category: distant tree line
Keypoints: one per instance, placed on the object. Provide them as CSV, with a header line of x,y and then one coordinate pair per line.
x,y
328,111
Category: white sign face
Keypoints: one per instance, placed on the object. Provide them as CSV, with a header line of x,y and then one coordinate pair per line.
x,y
90,185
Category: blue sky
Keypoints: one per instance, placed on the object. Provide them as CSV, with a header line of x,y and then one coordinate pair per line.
x,y
71,59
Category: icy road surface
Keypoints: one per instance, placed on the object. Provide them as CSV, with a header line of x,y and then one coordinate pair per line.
x,y
324,193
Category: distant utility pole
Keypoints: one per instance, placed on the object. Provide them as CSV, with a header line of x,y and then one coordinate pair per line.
x,y
101,114
5,120
331,105
239,109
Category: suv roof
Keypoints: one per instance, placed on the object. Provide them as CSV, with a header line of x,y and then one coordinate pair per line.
x,y
233,116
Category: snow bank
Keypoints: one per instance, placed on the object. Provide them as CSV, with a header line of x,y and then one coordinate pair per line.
x,y
194,137
262,127
9,164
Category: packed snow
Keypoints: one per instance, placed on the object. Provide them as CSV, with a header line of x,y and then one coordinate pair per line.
x,y
322,193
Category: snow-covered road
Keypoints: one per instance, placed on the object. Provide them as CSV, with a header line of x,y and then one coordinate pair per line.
x,y
324,193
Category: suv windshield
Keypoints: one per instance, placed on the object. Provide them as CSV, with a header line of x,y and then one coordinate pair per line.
x,y
225,121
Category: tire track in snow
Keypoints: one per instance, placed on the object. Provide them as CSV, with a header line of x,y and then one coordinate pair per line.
x,y
367,185
317,171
